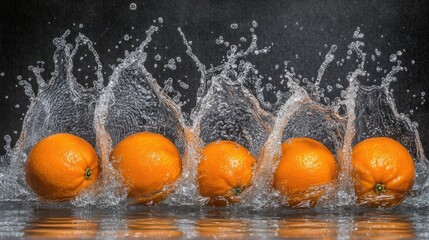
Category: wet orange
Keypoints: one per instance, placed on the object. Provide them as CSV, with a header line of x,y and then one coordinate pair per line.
x,y
305,165
224,171
383,172
149,164
60,166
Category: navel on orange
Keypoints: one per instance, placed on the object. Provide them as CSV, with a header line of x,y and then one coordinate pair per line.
x,y
305,164
149,164
224,171
59,166
383,172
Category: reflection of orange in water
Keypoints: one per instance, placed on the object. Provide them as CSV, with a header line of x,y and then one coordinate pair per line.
x,y
222,228
149,164
382,227
302,228
305,164
383,172
153,228
70,228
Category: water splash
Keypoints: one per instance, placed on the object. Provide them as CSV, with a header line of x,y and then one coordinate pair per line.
x,y
230,105
61,105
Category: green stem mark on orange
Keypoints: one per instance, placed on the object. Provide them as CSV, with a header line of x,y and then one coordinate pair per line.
x,y
88,174
380,188
236,191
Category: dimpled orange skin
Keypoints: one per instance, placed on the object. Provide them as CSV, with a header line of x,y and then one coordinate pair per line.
x,y
304,163
225,170
148,162
383,172
60,166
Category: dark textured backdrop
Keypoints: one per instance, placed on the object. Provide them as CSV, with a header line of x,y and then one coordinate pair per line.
x,y
27,28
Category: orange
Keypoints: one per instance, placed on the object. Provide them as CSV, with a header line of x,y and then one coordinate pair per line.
x,y
382,171
305,166
224,171
60,166
149,164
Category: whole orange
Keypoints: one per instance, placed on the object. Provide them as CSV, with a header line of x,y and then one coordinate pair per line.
x,y
382,171
149,164
224,171
305,163
59,166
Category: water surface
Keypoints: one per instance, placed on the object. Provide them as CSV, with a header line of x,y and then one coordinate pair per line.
x,y
31,220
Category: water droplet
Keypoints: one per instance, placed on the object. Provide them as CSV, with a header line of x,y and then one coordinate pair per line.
x,y
234,26
254,24
17,106
160,20
19,77
133,6
2,74
157,57
393,58
377,52
126,37
81,25
178,59
413,62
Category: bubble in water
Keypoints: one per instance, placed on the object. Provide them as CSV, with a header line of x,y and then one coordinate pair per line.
x,y
377,52
17,106
133,6
126,37
2,74
234,26
413,62
81,25
157,57
160,20
19,77
254,24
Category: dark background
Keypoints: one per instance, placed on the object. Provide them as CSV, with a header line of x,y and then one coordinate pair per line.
x,y
303,28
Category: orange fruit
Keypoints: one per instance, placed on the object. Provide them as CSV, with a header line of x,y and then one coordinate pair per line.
x,y
224,171
382,171
60,166
149,164
305,165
